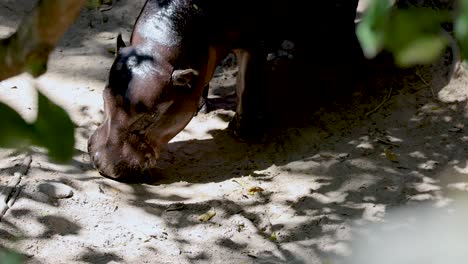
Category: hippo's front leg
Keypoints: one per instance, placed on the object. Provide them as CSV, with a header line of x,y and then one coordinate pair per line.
x,y
248,121
204,105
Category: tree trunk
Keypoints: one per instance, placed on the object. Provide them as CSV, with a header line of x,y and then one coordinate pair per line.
x,y
29,47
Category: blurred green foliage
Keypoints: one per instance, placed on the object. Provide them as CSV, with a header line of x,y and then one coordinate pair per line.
x,y
53,129
10,257
413,35
461,27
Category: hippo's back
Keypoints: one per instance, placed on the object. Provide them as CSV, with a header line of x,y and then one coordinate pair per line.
x,y
285,19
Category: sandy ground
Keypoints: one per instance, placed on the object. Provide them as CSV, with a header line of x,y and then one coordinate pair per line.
x,y
395,139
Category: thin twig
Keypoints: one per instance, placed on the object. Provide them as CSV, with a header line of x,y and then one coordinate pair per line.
x,y
425,82
105,8
10,193
14,196
388,96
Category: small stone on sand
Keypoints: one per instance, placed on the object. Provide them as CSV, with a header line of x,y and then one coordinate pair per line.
x,y
56,190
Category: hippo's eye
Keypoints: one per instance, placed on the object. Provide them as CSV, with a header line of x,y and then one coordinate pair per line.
x,y
118,66
132,62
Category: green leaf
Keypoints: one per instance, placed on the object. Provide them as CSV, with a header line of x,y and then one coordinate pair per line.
x,y
371,30
414,35
36,61
15,131
36,67
371,41
421,51
461,28
10,257
93,3
54,130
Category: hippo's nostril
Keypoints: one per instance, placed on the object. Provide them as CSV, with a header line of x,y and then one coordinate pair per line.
x,y
96,155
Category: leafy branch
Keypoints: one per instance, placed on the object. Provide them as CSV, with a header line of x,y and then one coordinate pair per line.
x,y
27,50
413,35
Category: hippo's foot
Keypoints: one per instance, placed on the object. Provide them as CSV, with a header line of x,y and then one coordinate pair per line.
x,y
248,128
204,107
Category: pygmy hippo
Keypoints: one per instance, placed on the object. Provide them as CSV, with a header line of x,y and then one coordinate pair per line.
x,y
155,84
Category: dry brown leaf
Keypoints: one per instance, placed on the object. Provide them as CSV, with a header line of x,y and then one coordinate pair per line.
x,y
390,155
255,189
207,216
273,237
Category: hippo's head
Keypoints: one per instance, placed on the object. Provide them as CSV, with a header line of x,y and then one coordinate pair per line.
x,y
151,96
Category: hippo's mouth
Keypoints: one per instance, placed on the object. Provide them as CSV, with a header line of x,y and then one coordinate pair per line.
x,y
124,159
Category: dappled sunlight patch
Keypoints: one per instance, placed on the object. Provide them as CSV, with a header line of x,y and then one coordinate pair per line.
x,y
105,38
458,186
302,185
231,230
329,245
417,120
340,231
6,31
426,187
337,248
417,155
308,170
11,161
393,171
358,182
394,140
432,108
33,230
462,170
21,86
137,220
298,249
417,174
198,193
107,186
331,156
72,94
422,197
306,167
371,212
365,147
369,199
428,165
330,197
199,129
362,163
447,119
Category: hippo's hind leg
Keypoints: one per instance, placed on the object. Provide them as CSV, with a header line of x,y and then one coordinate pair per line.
x,y
248,123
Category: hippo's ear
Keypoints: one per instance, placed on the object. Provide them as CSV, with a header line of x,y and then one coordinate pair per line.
x,y
120,43
183,77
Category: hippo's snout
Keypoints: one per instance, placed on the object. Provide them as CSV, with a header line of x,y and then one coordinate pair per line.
x,y
122,160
